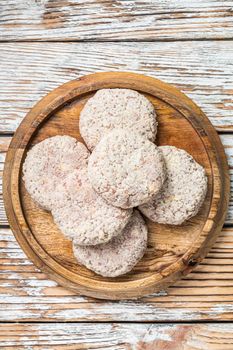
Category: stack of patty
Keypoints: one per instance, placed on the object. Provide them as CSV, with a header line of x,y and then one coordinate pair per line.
x,y
93,196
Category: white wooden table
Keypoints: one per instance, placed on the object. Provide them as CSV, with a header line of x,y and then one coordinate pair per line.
x,y
45,43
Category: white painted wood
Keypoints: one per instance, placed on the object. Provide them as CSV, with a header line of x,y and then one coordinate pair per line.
x,y
115,20
117,336
28,72
203,70
28,295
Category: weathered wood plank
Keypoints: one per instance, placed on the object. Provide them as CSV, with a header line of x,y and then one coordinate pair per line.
x,y
4,143
27,295
227,140
116,336
203,70
115,20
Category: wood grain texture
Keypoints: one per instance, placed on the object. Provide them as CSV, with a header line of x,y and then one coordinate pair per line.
x,y
202,70
116,336
27,295
115,20
225,138
4,144
172,251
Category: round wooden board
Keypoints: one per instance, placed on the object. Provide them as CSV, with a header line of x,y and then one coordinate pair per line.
x,y
172,250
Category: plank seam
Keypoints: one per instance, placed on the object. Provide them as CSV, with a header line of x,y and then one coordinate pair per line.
x,y
2,41
120,322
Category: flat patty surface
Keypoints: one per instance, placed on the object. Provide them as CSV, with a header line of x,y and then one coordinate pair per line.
x,y
117,108
118,256
183,192
126,169
48,163
85,216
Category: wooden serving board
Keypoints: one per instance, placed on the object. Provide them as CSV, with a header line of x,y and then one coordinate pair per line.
x,y
172,250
